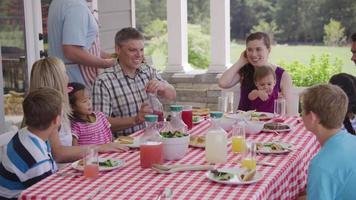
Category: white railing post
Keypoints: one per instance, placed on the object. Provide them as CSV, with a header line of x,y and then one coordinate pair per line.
x,y
177,36
220,35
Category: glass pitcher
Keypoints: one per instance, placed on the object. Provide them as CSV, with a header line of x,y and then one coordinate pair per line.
x,y
216,141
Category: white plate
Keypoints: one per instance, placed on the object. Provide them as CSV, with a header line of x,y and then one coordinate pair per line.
x,y
267,150
239,116
199,119
195,144
279,130
135,144
266,116
120,163
235,180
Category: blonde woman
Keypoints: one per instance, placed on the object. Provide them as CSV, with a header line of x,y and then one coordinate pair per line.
x,y
50,72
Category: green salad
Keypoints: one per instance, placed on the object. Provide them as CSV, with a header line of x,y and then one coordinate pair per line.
x,y
175,134
108,163
222,176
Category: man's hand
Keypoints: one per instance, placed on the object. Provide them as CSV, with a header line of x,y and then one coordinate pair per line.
x,y
112,147
153,86
145,110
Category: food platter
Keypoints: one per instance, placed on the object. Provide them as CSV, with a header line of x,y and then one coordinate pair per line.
x,y
273,147
231,176
132,142
262,115
276,127
197,141
103,166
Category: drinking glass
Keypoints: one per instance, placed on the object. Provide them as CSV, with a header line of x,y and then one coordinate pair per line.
x,y
222,104
187,116
279,108
249,161
238,138
91,163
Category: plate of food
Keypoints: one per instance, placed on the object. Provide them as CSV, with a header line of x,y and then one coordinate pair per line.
x,y
240,115
105,164
273,147
262,115
197,141
200,111
276,127
129,141
197,119
234,176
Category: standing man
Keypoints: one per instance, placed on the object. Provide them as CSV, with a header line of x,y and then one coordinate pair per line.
x,y
73,36
121,91
353,47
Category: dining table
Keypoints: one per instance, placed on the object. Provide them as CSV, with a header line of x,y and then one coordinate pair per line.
x,y
285,180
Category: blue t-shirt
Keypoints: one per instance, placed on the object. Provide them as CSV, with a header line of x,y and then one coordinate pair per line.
x,y
332,172
70,22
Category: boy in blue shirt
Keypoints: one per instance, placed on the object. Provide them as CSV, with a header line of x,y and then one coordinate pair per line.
x,y
27,158
332,172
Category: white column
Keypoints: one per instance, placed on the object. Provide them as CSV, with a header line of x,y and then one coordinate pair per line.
x,y
220,35
177,36
2,111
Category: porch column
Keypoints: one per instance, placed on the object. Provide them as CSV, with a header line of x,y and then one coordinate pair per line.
x,y
220,35
177,36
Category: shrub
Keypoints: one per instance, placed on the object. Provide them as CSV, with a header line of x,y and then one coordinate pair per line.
x,y
334,33
318,71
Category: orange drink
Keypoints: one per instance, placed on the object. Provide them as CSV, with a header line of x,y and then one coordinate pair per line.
x,y
91,171
151,153
248,163
238,144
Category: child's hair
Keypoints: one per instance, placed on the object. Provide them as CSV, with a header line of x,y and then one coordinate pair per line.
x,y
328,102
74,87
263,71
41,106
347,83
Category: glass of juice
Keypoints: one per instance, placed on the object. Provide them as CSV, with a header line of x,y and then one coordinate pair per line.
x,y
249,161
238,139
187,116
91,163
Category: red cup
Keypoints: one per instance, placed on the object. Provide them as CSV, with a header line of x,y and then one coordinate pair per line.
x,y
187,116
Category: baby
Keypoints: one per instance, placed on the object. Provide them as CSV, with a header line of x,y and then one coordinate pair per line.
x,y
88,127
262,98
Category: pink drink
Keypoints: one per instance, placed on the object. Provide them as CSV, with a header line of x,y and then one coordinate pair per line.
x,y
151,153
91,171
160,115
187,117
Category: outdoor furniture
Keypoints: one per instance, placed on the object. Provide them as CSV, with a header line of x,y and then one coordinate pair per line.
x,y
283,181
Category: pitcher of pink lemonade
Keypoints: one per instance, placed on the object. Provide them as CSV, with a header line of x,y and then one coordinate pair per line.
x,y
151,147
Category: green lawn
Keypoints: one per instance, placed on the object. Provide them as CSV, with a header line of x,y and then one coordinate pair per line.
x,y
302,53
286,53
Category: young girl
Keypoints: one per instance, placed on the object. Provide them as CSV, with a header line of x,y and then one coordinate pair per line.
x,y
88,127
262,98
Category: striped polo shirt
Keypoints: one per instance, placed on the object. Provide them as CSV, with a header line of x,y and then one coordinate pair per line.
x,y
25,160
97,132
118,95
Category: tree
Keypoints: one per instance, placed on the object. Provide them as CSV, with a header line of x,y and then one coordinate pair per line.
x,y
270,28
334,33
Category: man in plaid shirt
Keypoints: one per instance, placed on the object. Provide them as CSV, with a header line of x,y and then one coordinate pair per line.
x,y
120,92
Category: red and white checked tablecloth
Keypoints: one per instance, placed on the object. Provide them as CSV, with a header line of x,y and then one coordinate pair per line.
x,y
284,181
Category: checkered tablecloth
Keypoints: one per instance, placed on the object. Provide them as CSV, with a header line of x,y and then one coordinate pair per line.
x,y
283,181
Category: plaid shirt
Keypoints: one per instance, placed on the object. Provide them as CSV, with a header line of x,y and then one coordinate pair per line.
x,y
117,95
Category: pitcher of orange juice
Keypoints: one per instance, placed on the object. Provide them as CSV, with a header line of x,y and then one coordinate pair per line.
x,y
249,161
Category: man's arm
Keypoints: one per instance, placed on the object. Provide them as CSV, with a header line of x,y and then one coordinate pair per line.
x,y
78,55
